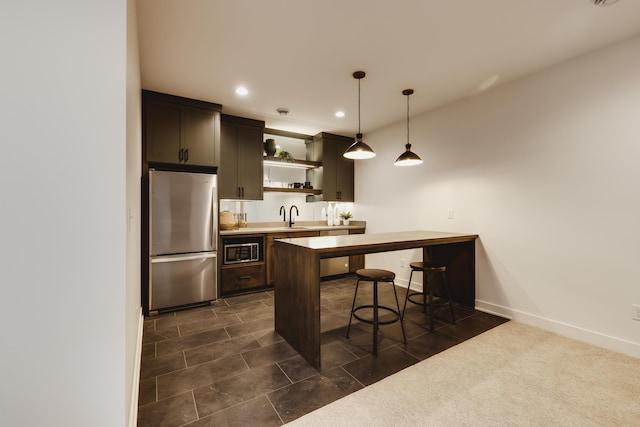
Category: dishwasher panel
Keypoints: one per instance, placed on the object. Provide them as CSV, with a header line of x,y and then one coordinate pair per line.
x,y
334,266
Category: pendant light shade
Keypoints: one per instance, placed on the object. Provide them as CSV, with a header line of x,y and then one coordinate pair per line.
x,y
408,158
359,150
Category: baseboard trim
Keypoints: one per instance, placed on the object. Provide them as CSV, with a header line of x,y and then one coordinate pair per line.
x,y
135,383
404,283
581,334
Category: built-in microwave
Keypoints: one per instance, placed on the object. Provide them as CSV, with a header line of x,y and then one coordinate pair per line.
x,y
242,249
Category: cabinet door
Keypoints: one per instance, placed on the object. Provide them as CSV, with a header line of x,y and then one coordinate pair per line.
x,y
344,174
337,175
330,170
250,167
199,138
179,130
240,167
228,170
162,130
356,262
269,253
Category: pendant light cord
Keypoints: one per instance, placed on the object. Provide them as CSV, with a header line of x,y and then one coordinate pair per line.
x,y
359,105
407,119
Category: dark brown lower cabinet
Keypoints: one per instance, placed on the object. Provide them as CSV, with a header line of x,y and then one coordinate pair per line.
x,y
269,256
240,278
356,262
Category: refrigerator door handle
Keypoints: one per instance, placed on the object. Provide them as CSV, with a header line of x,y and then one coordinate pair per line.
x,y
214,219
174,258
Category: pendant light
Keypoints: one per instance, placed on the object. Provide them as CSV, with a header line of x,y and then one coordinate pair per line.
x,y
359,150
408,158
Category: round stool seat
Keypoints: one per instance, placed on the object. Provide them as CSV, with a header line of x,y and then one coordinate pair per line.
x,y
428,266
375,274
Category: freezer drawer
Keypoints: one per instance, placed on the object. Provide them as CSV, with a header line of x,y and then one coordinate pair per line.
x,y
182,279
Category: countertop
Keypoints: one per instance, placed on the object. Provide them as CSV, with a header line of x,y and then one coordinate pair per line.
x,y
282,227
377,242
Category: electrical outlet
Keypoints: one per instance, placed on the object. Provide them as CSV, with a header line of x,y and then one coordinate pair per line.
x,y
450,213
401,262
635,314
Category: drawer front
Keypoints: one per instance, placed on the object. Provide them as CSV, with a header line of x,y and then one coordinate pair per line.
x,y
242,278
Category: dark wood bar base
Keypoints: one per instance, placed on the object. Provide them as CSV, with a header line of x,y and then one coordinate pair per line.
x,y
297,275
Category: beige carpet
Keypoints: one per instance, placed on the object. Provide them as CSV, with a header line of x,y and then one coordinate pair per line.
x,y
512,375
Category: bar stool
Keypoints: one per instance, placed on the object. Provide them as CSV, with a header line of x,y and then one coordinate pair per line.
x,y
375,276
427,269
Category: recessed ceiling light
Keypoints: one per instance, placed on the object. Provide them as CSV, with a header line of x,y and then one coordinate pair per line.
x,y
242,91
339,113
604,2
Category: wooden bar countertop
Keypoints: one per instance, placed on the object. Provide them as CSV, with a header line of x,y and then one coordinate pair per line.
x,y
356,244
297,275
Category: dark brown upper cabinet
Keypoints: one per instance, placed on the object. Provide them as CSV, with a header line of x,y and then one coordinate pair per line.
x,y
240,173
180,130
335,178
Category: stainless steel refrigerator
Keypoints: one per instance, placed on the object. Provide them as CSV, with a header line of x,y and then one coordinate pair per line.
x,y
183,236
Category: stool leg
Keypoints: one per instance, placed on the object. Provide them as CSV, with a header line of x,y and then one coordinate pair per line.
x,y
375,317
404,337
352,306
446,288
406,297
430,291
425,287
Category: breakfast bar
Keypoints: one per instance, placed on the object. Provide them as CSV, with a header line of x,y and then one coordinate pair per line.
x,y
297,275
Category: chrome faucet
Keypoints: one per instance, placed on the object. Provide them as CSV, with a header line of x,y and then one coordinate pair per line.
x,y
291,215
283,212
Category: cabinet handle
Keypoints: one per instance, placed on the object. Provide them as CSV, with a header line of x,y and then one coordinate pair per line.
x,y
244,277
180,154
242,188
186,155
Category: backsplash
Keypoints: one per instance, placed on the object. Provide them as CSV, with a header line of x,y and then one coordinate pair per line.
x,y
267,210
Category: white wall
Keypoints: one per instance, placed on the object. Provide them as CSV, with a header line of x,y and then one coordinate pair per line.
x,y
545,170
133,307
65,281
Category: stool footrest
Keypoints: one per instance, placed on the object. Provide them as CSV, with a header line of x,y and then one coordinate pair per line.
x,y
380,322
438,302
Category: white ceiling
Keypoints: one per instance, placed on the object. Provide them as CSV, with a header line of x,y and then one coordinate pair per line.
x,y
301,54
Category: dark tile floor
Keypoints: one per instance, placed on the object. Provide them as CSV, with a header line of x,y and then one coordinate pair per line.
x,y
223,365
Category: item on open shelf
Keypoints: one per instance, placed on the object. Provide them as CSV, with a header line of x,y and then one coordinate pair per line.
x,y
285,156
270,147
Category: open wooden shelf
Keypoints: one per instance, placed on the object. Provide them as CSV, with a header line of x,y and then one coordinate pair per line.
x,y
295,163
293,190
